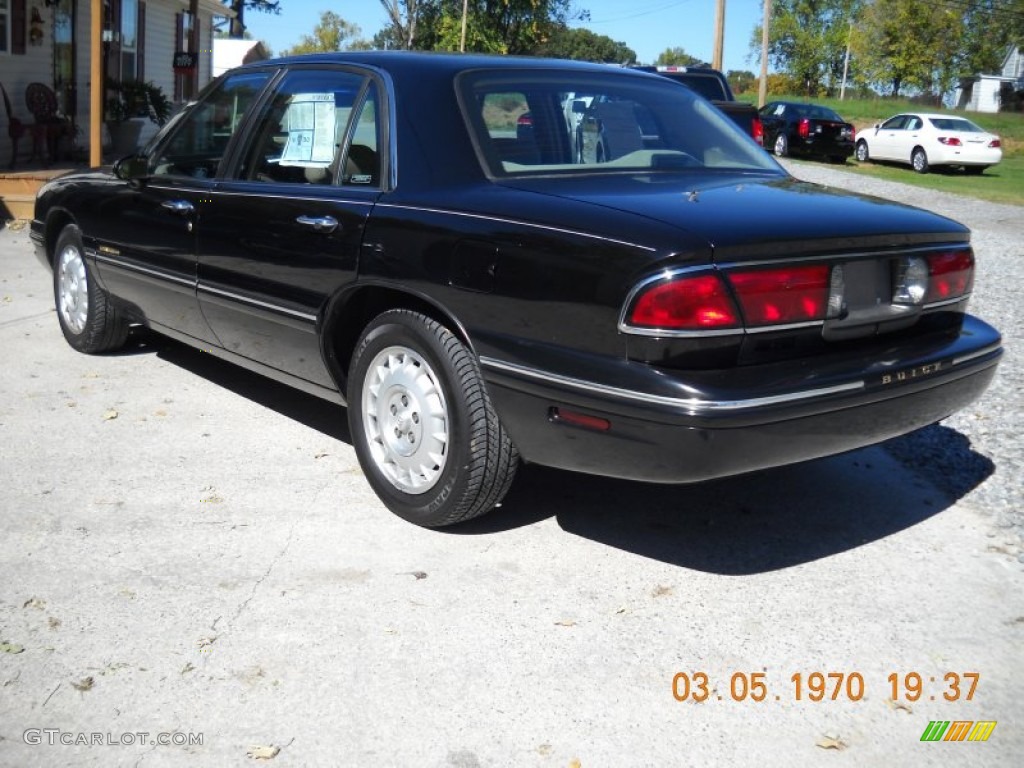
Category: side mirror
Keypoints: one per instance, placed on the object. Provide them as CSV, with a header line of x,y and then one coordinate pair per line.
x,y
132,168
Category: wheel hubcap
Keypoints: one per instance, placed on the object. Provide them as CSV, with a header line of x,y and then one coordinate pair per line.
x,y
780,146
72,290
405,419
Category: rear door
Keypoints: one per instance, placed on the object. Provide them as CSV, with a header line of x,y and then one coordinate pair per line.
x,y
281,233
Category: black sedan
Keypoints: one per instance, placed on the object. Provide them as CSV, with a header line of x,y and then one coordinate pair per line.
x,y
807,130
479,297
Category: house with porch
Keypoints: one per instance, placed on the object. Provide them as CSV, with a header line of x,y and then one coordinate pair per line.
x,y
48,42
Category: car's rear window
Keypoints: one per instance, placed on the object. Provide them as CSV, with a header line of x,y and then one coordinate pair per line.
x,y
570,122
955,124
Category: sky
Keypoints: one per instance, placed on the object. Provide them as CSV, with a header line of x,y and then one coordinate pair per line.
x,y
646,26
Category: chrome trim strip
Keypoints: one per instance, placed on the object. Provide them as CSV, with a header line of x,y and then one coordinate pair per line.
x,y
136,268
517,222
947,302
847,256
258,303
256,193
786,327
667,334
715,406
980,353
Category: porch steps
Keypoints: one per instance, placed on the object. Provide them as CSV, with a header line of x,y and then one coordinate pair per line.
x,y
18,191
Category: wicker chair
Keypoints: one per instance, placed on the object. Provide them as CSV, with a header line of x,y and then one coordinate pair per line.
x,y
49,127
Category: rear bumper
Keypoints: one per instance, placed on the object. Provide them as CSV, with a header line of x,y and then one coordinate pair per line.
x,y
964,155
698,433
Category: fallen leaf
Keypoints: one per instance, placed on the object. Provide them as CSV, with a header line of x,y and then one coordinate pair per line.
x,y
34,602
54,623
544,749
419,575
85,684
212,499
8,299
575,763
109,415
390,631
894,705
11,647
187,668
320,455
565,623
90,375
830,742
160,413
263,753
661,590
206,642
623,609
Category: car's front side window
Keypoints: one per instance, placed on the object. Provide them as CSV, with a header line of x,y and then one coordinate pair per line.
x,y
301,132
894,123
196,142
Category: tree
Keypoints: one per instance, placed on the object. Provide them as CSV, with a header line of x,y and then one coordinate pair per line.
x,y
676,57
403,15
333,33
237,27
807,40
493,26
910,43
584,45
741,81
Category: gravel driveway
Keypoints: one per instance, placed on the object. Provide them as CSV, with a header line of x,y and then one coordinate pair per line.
x,y
191,550
993,426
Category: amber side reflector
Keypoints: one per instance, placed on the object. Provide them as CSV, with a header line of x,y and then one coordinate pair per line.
x,y
577,419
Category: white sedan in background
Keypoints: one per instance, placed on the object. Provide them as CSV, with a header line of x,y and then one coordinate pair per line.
x,y
924,140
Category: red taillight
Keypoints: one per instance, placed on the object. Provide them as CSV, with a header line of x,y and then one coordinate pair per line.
x,y
994,144
951,275
804,128
782,296
950,141
757,131
697,303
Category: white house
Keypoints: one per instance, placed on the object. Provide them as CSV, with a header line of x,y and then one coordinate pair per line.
x,y
980,93
48,42
229,53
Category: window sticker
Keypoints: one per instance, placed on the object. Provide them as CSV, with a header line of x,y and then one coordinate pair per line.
x,y
310,122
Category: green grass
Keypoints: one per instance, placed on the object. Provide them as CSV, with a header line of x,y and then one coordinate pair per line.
x,y
1002,183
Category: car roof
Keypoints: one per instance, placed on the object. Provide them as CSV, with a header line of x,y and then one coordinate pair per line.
x,y
419,63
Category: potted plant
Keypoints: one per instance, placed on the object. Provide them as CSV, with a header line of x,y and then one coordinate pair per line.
x,y
127,101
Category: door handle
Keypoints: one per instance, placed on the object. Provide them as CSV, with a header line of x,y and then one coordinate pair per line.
x,y
323,224
180,207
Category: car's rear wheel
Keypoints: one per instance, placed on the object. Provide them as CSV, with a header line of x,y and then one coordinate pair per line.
x,y
781,145
423,427
862,151
88,319
919,159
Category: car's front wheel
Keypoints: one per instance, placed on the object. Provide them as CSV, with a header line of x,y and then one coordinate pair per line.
x,y
88,319
423,427
781,145
919,160
862,151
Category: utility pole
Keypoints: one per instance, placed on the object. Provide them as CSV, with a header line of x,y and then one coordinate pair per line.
x,y
846,63
762,90
716,57
465,13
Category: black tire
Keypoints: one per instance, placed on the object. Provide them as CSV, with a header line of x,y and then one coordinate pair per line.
x,y
88,319
412,380
863,155
781,145
919,160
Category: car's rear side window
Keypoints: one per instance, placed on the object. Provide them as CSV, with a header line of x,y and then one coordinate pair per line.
x,y
301,132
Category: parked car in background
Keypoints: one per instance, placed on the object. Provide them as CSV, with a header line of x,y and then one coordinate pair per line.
x,y
925,140
714,86
479,295
808,130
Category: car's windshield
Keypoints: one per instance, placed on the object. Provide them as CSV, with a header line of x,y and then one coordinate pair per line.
x,y
955,124
557,122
